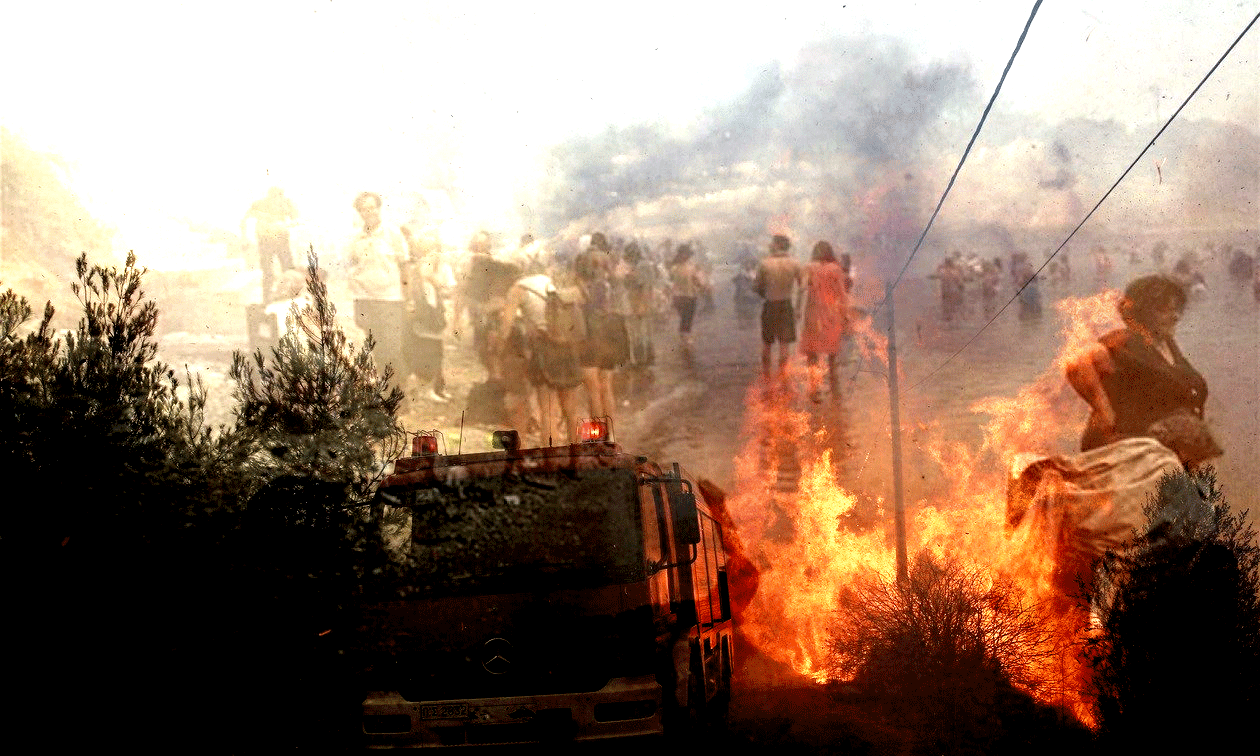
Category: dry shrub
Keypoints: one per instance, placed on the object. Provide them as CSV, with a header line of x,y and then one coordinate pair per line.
x,y
943,653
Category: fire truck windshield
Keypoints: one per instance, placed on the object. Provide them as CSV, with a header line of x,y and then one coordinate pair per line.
x,y
516,531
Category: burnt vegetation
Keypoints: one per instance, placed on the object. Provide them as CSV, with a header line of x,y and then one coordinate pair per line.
x,y
949,654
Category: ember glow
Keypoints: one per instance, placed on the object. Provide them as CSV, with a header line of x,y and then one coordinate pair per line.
x,y
808,546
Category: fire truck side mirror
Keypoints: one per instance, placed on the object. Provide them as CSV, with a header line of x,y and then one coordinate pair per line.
x,y
686,518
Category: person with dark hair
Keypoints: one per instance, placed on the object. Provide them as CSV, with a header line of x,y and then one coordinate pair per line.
x,y
266,225
778,279
824,315
1138,383
688,281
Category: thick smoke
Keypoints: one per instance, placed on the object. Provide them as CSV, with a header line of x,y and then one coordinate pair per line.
x,y
854,141
1060,159
808,147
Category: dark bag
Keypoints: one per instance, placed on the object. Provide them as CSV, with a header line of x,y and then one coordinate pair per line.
x,y
554,363
565,316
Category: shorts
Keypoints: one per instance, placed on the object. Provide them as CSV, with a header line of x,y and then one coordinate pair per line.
x,y
607,344
686,307
778,322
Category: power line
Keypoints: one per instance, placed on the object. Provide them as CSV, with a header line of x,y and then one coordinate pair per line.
x,y
966,152
1098,204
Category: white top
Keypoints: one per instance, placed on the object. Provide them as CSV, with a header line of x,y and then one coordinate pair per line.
x,y
372,264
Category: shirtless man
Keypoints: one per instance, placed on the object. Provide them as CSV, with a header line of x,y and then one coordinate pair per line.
x,y
779,280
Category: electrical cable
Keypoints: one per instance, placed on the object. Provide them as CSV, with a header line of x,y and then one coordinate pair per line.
x,y
1098,204
983,116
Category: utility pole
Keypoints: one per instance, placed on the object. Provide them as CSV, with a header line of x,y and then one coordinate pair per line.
x,y
899,505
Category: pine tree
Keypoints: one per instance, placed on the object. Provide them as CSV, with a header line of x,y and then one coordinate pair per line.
x,y
1177,664
318,408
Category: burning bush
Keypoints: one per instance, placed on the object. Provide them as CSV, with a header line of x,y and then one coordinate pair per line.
x,y
944,651
1178,661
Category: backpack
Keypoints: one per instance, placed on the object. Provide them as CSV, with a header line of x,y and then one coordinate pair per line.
x,y
565,316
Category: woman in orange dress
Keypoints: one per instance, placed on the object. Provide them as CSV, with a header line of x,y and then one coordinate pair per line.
x,y
824,315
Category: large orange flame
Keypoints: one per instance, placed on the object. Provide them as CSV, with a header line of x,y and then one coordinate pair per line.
x,y
795,514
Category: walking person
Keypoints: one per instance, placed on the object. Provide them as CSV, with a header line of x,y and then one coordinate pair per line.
x,y
266,226
639,284
688,283
607,345
824,315
779,278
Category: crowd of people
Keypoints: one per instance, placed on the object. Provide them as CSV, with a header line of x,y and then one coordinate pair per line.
x,y
964,280
968,280
552,327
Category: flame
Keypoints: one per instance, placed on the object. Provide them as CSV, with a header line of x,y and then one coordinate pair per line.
x,y
807,541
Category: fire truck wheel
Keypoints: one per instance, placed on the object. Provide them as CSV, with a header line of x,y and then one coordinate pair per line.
x,y
719,708
696,709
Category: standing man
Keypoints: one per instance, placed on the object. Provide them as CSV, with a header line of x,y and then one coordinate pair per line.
x,y
374,279
266,227
779,281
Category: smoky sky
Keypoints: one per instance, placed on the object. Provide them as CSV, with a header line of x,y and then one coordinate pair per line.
x,y
834,121
1061,160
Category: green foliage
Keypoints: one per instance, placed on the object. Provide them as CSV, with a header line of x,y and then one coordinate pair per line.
x,y
1177,664
97,404
157,554
943,650
318,408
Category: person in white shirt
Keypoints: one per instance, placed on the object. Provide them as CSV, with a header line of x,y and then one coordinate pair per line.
x,y
374,280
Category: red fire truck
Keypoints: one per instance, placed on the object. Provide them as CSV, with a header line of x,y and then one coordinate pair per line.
x,y
565,593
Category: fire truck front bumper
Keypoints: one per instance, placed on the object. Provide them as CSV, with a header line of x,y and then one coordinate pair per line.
x,y
625,707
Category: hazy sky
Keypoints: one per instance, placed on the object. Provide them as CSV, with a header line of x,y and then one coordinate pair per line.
x,y
194,108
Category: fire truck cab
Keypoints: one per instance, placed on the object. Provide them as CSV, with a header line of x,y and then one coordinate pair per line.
x,y
566,593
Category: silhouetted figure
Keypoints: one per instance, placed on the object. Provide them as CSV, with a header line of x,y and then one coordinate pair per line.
x,y
266,227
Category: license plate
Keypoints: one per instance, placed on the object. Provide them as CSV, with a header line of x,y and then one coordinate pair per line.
x,y
442,711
